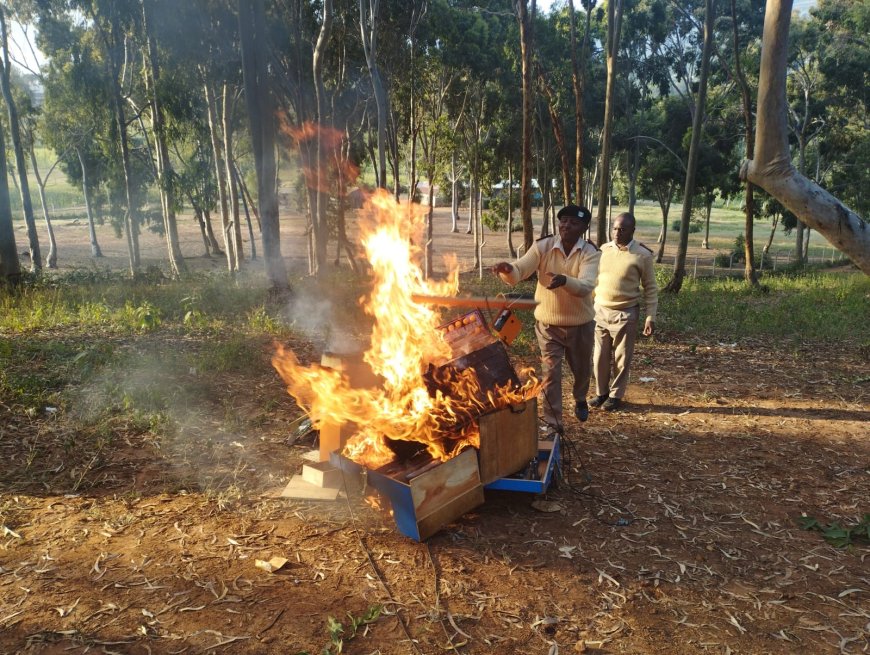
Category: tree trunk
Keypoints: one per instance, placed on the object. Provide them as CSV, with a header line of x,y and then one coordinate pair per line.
x,y
92,231
632,171
246,195
770,238
261,114
237,178
664,198
454,195
749,273
578,81
708,209
510,213
18,148
368,29
559,135
771,169
10,267
676,282
217,151
164,166
525,23
321,198
235,235
131,220
51,260
212,239
614,20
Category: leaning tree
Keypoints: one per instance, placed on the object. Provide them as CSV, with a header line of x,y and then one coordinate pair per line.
x,y
771,168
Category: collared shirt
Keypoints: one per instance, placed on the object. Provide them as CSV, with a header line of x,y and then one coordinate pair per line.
x,y
627,276
570,304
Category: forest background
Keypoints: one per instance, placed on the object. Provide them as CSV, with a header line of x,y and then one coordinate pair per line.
x,y
161,149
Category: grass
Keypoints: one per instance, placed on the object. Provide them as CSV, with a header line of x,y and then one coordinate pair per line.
x,y
805,306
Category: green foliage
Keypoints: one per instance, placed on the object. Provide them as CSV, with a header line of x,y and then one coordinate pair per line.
x,y
837,535
695,225
141,318
338,633
495,216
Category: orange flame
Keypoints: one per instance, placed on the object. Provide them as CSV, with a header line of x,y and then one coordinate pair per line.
x,y
418,401
333,168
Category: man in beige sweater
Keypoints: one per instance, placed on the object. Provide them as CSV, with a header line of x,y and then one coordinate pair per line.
x,y
567,268
626,277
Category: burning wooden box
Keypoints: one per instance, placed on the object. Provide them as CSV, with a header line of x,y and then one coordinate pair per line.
x,y
430,495
427,494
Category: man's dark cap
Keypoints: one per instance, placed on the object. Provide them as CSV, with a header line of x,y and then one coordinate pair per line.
x,y
574,211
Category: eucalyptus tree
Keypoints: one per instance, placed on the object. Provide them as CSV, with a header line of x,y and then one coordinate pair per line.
x,y
644,29
76,115
771,167
165,172
745,39
664,164
30,118
525,19
676,281
261,105
10,267
611,50
113,21
578,84
17,144
370,31
806,106
845,66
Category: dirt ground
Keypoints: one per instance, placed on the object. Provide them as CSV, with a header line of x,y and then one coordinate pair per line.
x,y
675,528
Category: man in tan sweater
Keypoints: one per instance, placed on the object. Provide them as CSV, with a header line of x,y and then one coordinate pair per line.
x,y
626,277
567,268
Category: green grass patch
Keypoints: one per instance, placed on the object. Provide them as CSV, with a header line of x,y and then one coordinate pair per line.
x,y
810,307
112,302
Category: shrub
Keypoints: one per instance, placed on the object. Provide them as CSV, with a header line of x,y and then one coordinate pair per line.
x,y
695,226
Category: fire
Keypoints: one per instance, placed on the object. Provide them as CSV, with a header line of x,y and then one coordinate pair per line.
x,y
418,401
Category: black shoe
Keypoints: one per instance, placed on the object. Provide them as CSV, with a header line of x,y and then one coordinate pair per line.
x,y
612,404
598,401
581,411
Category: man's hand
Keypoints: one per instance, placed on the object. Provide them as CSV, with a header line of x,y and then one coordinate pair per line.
x,y
502,268
649,327
556,280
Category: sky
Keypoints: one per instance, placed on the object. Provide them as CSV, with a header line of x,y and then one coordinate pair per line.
x,y
19,50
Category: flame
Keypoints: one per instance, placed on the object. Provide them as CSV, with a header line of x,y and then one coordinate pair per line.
x,y
334,165
418,401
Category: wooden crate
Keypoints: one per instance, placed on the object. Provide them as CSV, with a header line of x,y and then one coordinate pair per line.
x,y
431,500
508,440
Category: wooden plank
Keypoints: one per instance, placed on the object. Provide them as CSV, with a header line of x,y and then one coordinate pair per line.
x,y
449,512
508,440
300,489
322,474
434,489
477,302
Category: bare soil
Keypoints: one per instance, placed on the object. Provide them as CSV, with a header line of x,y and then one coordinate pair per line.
x,y
674,530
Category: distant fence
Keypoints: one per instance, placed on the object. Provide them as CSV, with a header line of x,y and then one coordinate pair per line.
x,y
707,266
